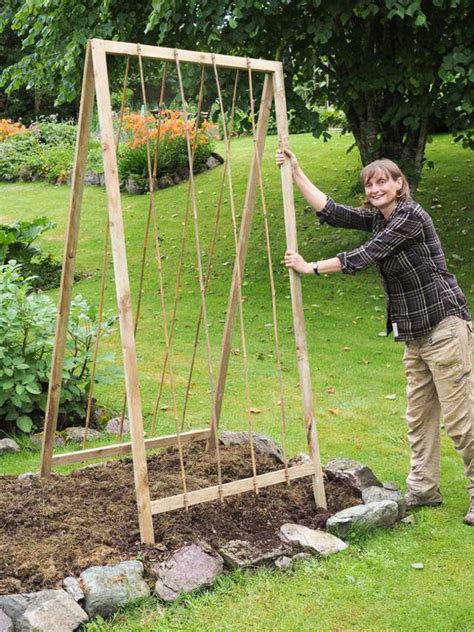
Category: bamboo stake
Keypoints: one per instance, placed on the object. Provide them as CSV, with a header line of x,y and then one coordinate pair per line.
x,y
296,294
69,261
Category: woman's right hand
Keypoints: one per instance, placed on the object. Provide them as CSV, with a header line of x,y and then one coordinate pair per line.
x,y
286,154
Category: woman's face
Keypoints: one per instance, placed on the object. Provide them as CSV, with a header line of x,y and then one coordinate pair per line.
x,y
381,190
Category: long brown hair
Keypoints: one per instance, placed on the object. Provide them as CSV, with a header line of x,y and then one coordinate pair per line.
x,y
389,169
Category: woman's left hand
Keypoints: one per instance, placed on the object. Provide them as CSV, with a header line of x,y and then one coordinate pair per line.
x,y
295,261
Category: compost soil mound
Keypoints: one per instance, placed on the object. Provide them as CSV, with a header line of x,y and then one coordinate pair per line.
x,y
55,527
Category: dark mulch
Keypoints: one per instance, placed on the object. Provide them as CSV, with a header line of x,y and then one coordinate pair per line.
x,y
59,526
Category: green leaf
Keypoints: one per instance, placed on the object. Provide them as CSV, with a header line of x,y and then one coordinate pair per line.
x,y
24,423
33,388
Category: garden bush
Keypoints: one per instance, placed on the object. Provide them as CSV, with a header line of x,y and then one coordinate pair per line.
x,y
20,157
27,324
171,135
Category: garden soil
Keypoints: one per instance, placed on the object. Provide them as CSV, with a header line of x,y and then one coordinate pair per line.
x,y
55,527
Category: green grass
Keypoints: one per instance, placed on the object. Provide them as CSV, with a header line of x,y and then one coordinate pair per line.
x,y
372,585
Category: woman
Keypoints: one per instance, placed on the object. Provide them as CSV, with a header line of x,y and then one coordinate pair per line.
x,y
425,308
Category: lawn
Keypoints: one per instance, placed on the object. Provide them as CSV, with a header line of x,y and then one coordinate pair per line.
x,y
372,586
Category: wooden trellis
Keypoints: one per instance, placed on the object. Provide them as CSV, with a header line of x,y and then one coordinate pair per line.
x,y
96,83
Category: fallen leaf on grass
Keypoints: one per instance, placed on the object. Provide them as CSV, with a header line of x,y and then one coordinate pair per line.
x,y
165,407
333,411
331,390
418,565
391,396
346,348
255,411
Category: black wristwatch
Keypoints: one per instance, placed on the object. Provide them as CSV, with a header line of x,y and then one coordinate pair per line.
x,y
315,268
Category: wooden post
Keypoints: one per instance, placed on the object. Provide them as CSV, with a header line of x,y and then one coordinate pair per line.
x,y
123,292
245,226
69,261
295,290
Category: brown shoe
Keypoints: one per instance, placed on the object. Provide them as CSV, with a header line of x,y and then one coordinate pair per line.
x,y
413,501
469,517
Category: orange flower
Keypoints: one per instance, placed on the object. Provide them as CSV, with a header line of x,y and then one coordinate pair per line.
x,y
170,124
9,129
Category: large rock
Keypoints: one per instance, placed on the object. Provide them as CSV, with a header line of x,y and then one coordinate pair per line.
x,y
357,474
6,624
133,187
165,181
189,568
313,540
242,554
8,445
212,162
73,587
377,515
262,443
44,611
37,439
301,458
373,494
76,434
107,588
92,178
113,426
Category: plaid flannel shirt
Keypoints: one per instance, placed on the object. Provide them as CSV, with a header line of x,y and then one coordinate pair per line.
x,y
419,289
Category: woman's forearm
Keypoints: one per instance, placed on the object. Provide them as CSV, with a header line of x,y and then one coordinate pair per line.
x,y
310,192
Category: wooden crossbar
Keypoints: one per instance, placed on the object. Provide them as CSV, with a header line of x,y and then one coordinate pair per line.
x,y
195,57
125,448
230,489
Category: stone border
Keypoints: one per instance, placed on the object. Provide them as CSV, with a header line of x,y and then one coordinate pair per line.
x,y
102,590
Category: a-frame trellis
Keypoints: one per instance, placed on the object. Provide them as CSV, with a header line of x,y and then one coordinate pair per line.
x,y
96,82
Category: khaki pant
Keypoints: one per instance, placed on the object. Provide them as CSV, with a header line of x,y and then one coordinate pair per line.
x,y
439,379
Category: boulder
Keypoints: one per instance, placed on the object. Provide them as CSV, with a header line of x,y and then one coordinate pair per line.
x,y
189,568
113,426
14,605
283,562
300,459
133,187
313,540
8,445
73,587
377,515
37,439
76,434
27,475
176,178
356,474
262,443
242,554
373,494
6,624
46,611
107,588
165,181
212,162
92,178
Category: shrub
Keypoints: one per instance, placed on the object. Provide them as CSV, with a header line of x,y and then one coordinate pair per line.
x,y
16,243
27,324
50,131
20,157
56,163
173,154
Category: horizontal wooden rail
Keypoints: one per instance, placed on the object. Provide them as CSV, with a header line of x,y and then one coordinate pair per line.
x,y
125,448
230,489
194,57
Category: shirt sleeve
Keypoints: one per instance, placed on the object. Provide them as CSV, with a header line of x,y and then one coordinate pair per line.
x,y
343,216
403,229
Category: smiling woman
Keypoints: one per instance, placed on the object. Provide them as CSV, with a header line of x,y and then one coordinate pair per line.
x,y
425,308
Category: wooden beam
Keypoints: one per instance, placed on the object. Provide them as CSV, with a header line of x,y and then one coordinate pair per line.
x,y
244,235
69,264
230,489
296,293
122,285
125,448
191,56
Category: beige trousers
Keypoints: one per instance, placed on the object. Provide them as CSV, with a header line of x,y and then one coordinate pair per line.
x,y
439,379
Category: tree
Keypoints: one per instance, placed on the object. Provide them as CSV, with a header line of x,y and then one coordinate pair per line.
x,y
393,65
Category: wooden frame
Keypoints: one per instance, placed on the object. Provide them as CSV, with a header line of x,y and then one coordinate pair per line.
x,y
96,80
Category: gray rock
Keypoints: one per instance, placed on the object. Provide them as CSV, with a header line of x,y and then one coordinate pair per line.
x,y
176,178
76,434
283,562
113,426
390,485
300,459
262,443
164,182
357,474
377,515
189,568
51,611
133,187
26,475
242,554
409,519
102,179
73,587
302,557
92,178
37,439
107,588
6,624
313,540
14,605
8,445
183,172
212,162
374,494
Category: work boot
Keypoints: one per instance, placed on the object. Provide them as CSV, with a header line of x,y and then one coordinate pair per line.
x,y
469,517
413,501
